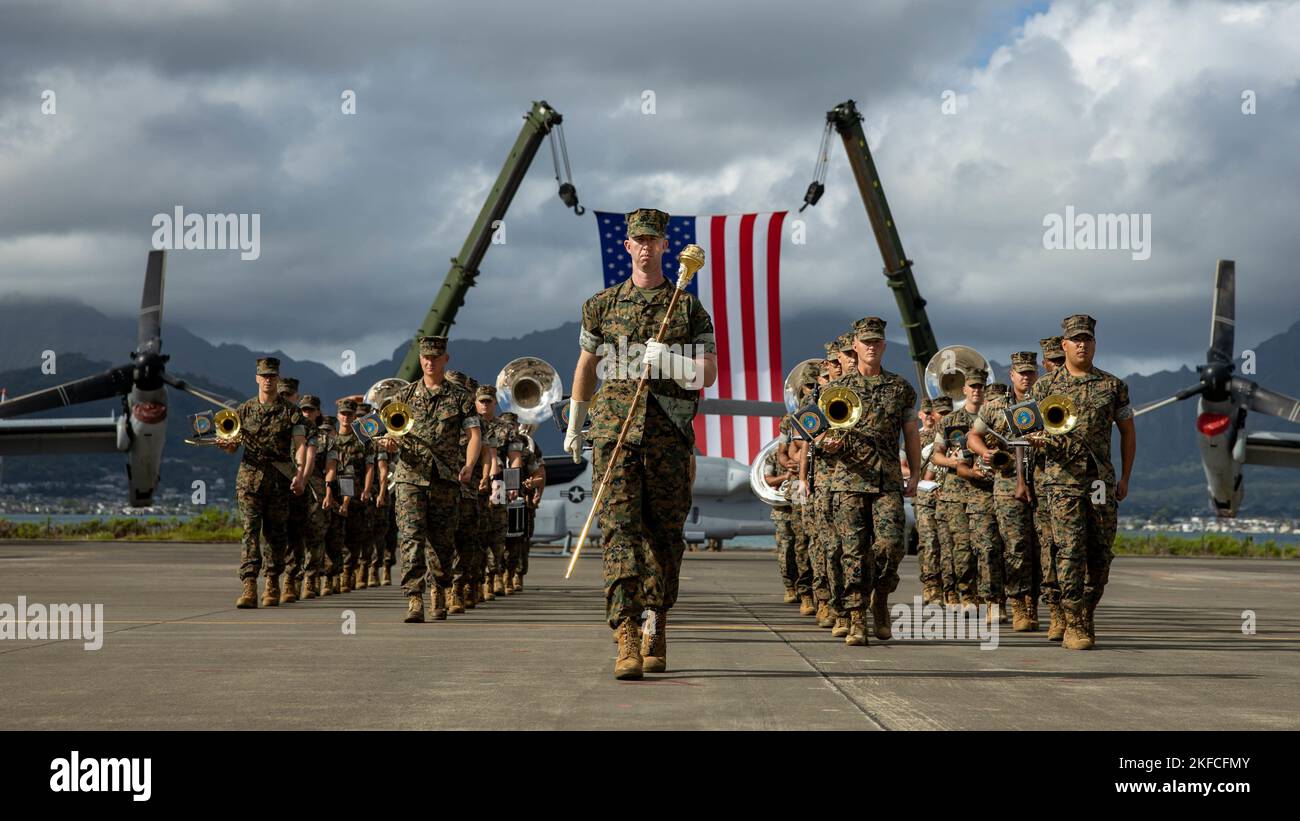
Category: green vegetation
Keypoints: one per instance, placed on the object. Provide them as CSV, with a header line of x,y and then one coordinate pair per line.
x,y
209,526
1210,544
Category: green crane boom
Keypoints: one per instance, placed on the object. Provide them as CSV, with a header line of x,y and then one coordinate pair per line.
x,y
847,121
538,122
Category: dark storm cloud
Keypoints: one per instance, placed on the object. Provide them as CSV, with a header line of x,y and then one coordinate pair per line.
x,y
234,107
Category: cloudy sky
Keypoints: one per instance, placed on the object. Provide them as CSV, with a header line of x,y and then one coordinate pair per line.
x,y
1105,107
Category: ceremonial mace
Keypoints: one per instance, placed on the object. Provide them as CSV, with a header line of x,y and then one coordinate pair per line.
x,y
689,260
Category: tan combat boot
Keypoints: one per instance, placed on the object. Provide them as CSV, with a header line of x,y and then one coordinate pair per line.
x,y
1019,619
880,615
1031,611
517,582
372,578
455,604
469,594
654,642
360,583
271,595
951,599
970,604
840,628
791,597
388,576
930,595
488,595
857,636
309,587
1056,628
497,587
806,606
289,594
825,616
1089,624
993,614
439,608
248,599
414,608
503,579
1076,631
343,582
628,665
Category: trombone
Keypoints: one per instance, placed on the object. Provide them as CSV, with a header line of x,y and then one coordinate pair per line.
x,y
219,429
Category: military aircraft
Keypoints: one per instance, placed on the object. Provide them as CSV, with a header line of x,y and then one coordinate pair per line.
x,y
1224,403
138,432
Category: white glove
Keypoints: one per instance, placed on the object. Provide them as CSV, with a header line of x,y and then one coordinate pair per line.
x,y
679,368
573,437
498,492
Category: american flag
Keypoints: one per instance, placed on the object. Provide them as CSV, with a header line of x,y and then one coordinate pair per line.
x,y
740,286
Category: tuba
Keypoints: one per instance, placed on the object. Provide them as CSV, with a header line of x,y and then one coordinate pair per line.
x,y
529,386
798,375
765,492
945,375
394,416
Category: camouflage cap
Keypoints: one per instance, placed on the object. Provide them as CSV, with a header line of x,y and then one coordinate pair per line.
x,y
975,376
327,422
943,404
287,385
346,405
1077,325
1024,362
995,389
869,327
433,345
927,405
831,347
485,392
309,400
1051,346
844,342
364,408
509,417
647,221
268,366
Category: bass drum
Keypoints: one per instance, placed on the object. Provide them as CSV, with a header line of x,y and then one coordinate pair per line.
x,y
764,491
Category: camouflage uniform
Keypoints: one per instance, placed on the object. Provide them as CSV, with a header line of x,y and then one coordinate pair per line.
x,y
518,445
493,515
927,534
349,534
1051,591
1078,471
815,514
468,560
1014,517
262,489
317,517
788,524
331,561
960,505
649,493
299,506
866,486
428,485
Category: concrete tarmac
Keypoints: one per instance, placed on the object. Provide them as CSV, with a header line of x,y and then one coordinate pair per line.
x,y
176,654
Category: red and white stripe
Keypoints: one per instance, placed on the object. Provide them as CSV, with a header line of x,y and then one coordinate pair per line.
x,y
740,286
